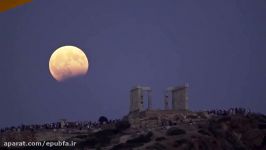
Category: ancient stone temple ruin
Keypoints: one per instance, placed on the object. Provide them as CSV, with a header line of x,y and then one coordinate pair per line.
x,y
178,95
137,98
175,107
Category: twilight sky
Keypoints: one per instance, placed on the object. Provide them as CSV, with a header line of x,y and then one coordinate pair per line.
x,y
218,47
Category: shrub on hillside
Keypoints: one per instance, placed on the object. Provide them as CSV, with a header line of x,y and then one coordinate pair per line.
x,y
122,125
175,131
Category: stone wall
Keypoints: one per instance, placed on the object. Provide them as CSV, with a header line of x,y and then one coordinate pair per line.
x,y
159,118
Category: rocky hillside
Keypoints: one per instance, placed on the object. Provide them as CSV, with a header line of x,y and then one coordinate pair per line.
x,y
230,132
239,132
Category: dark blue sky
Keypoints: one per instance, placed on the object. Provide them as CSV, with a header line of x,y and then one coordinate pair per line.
x,y
218,47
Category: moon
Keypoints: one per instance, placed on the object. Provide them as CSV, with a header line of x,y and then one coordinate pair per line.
x,y
68,62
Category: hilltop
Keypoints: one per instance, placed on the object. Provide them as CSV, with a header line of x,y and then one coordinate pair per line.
x,y
180,130
201,131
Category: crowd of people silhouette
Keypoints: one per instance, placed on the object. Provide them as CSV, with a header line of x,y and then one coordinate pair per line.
x,y
80,125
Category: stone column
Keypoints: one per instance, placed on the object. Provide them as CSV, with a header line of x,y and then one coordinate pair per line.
x,y
149,100
168,92
179,98
136,99
131,102
141,100
166,107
